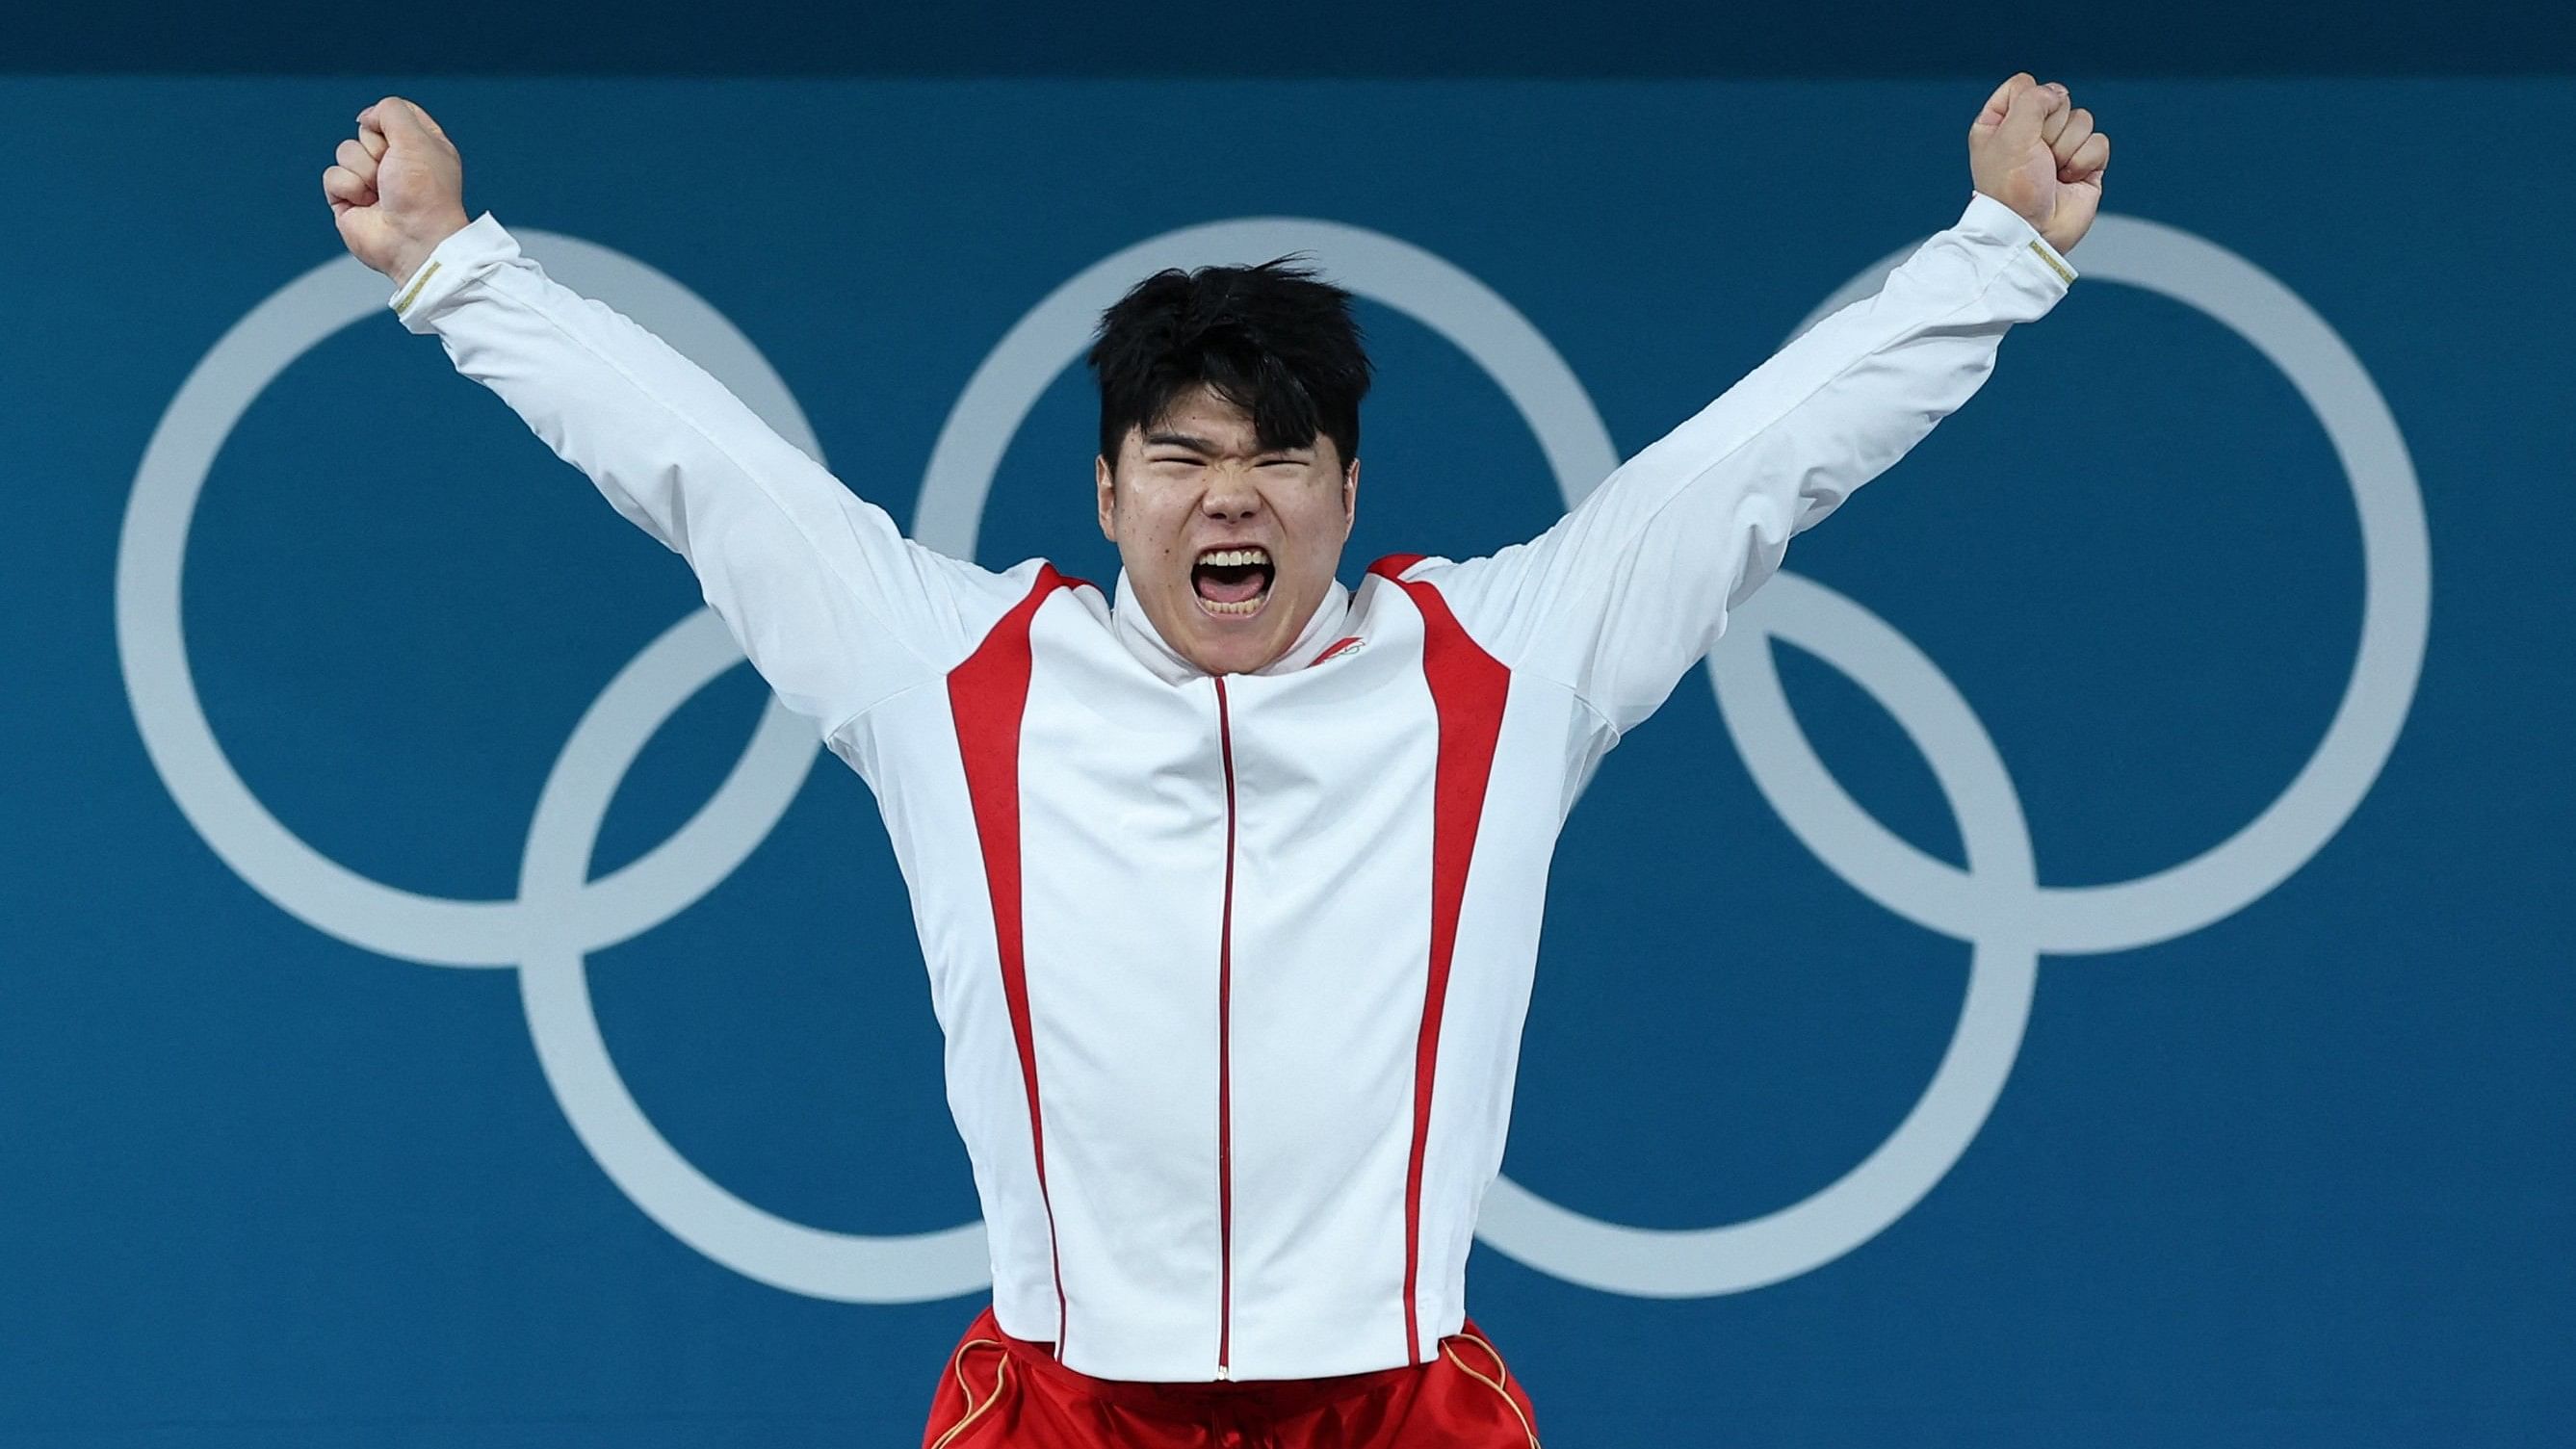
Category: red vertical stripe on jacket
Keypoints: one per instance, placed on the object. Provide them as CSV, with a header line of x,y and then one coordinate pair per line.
x,y
988,695
1468,687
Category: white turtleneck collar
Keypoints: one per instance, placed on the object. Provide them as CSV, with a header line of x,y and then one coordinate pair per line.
x,y
1137,632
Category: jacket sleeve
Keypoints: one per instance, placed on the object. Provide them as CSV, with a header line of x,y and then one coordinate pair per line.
x,y
1631,588
835,608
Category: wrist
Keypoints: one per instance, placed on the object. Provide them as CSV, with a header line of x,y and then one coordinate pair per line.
x,y
415,250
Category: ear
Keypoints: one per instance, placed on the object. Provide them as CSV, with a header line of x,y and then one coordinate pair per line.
x,y
1350,497
1107,488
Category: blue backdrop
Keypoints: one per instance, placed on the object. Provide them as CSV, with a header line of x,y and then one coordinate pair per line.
x,y
2275,1150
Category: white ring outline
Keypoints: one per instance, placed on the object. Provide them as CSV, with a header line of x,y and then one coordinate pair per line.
x,y
554,987
2009,905
2396,620
559,915
161,686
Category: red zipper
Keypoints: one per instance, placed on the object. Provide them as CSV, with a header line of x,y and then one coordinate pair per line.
x,y
1224,1055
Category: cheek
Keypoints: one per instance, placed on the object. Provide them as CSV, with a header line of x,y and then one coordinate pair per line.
x,y
1151,528
1321,529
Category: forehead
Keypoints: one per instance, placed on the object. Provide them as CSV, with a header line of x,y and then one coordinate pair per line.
x,y
1199,411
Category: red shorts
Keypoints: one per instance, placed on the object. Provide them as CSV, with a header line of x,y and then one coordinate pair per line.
x,y
1004,1393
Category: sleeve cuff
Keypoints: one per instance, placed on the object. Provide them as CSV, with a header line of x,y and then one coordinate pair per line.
x,y
1990,220
465,256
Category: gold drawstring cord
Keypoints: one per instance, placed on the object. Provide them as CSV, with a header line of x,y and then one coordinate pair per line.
x,y
1496,1384
974,1411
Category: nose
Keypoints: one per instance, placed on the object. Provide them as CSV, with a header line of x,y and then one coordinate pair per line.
x,y
1230,496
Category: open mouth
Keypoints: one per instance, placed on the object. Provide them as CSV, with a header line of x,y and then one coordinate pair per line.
x,y
1233,581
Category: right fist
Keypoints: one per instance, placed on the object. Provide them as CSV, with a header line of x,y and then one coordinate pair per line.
x,y
397,188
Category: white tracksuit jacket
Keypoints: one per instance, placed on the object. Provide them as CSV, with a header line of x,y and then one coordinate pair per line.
x,y
1232,970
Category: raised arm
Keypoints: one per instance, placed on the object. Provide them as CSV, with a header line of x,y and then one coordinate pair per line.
x,y
1631,588
834,607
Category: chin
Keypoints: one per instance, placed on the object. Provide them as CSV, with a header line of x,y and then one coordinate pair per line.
x,y
1235,651
1233,657
1235,644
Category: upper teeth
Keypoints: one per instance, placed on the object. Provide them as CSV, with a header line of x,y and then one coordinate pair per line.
x,y
1234,558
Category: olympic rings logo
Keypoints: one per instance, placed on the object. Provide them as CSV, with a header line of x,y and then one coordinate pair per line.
x,y
1997,903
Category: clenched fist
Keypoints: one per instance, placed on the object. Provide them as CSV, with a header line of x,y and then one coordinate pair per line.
x,y
2033,149
397,188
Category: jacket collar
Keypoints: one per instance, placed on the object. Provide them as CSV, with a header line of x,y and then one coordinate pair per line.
x,y
1142,640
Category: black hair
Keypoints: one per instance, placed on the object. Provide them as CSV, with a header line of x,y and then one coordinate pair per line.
x,y
1273,340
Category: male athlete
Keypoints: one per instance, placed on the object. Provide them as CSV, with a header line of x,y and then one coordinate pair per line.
x,y
1229,879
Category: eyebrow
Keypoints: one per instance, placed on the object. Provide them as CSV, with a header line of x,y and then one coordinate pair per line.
x,y
1202,445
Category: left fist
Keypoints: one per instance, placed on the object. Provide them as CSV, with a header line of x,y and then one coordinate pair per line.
x,y
2033,149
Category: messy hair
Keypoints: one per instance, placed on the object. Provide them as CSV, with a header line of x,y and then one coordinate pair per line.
x,y
1273,340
